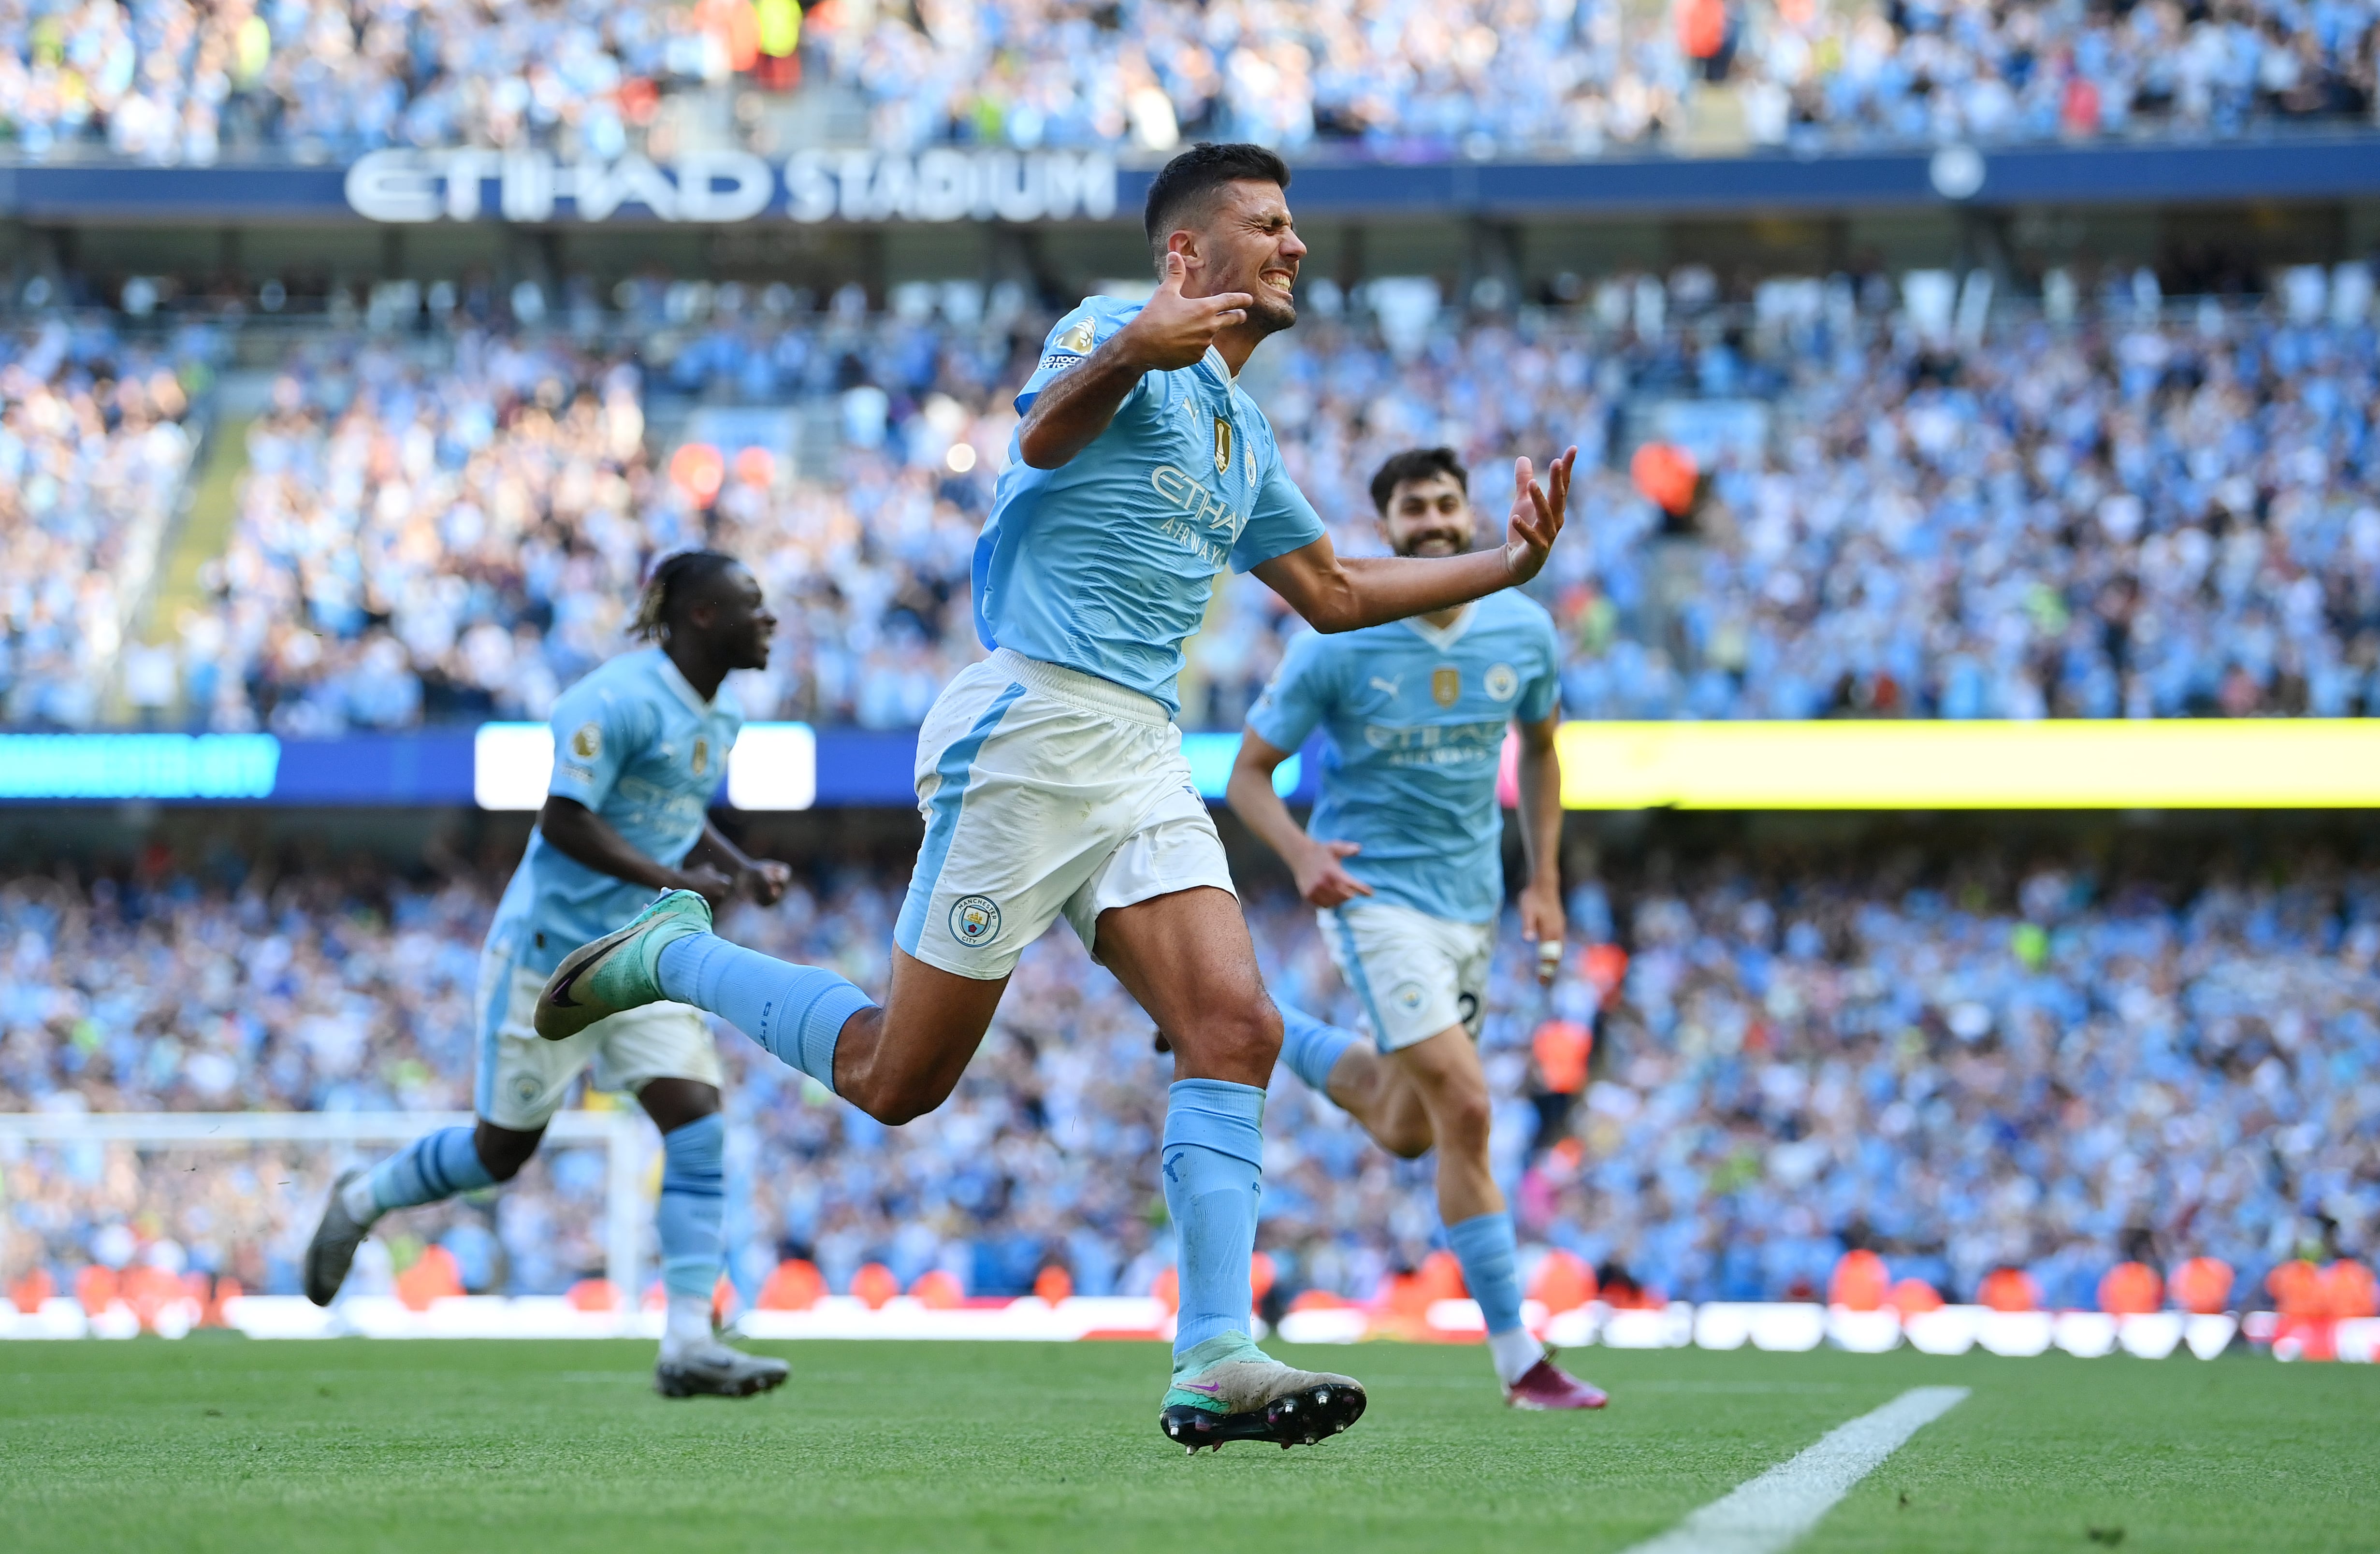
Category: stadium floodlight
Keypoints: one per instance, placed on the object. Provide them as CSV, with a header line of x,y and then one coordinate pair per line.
x,y
623,1134
2173,763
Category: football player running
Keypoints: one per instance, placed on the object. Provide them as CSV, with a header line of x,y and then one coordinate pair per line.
x,y
1051,775
640,747
1403,859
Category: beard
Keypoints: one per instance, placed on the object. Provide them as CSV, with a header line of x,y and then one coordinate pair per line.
x,y
1276,311
1435,543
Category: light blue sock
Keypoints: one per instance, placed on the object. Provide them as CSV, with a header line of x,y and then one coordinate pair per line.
x,y
1310,1048
436,1166
796,1012
693,1200
1214,1157
1489,1254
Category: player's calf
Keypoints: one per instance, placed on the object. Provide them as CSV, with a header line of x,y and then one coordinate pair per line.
x,y
1342,1066
436,1166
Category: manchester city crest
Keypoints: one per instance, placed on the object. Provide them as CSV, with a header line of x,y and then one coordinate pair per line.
x,y
1502,681
975,920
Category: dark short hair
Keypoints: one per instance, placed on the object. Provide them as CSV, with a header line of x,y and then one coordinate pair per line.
x,y
671,586
1415,463
1195,176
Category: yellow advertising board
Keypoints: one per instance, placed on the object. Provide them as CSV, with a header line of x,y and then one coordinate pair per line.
x,y
2276,763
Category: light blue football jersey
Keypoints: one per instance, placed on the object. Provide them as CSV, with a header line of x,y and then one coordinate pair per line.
x,y
1105,565
637,745
1413,721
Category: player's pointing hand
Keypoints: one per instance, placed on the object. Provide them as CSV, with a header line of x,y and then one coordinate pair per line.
x,y
1537,515
1173,331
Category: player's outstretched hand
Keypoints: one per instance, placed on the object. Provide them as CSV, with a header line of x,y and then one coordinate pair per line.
x,y
1173,331
767,880
712,885
1322,880
1537,514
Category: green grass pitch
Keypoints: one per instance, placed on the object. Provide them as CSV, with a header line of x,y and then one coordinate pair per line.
x,y
221,1443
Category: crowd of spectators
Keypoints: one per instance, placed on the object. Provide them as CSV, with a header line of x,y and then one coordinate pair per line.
x,y
2154,512
173,80
452,543
93,450
413,543
1965,1067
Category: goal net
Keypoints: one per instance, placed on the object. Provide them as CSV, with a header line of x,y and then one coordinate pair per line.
x,y
118,1223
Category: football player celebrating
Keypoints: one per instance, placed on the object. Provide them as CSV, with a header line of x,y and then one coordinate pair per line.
x,y
1404,860
1051,775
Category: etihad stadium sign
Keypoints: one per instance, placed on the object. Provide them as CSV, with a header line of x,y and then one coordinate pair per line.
x,y
725,187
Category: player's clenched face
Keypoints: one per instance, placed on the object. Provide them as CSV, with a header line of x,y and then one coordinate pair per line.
x,y
1249,244
1427,517
735,619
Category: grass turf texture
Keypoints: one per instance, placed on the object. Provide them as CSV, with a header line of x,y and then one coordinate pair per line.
x,y
220,1443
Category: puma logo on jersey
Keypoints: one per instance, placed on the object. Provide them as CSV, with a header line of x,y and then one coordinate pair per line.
x,y
1386,686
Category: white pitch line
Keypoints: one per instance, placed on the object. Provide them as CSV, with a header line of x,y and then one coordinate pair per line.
x,y
1772,1512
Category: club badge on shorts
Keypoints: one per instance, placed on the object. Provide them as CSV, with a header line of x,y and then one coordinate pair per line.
x,y
1445,684
975,920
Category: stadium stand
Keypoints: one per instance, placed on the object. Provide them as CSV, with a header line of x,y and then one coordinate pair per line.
x,y
2002,1087
2167,513
94,451
165,81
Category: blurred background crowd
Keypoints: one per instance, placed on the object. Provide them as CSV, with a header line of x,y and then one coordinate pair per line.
x,y
198,80
1859,507
93,456
1748,1066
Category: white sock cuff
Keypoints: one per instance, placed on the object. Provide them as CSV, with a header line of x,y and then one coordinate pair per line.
x,y
1514,1351
690,1322
357,1198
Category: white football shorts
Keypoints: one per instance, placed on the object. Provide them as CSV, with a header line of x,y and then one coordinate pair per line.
x,y
1416,975
1046,791
523,1077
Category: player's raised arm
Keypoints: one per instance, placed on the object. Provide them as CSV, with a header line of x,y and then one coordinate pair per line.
x,y
1337,593
1172,332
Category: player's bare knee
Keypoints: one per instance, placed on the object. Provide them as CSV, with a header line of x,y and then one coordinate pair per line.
x,y
1462,1115
502,1151
1247,1035
893,1099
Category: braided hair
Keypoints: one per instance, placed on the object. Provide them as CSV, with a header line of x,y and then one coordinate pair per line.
x,y
666,587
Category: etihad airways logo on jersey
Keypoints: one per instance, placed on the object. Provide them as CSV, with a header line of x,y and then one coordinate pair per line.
x,y
1436,744
1217,522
